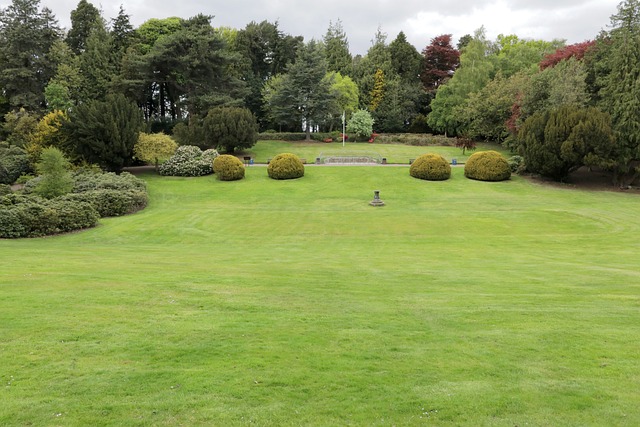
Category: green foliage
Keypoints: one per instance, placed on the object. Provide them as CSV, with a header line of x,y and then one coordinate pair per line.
x,y
266,52
58,97
154,148
285,166
18,127
32,216
26,36
5,189
55,179
360,124
228,168
618,80
487,111
431,167
345,99
83,20
558,142
230,128
192,133
515,55
111,202
336,49
487,166
474,72
95,194
189,160
105,132
303,95
13,163
405,59
516,163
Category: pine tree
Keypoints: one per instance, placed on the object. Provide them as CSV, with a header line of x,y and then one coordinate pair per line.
x,y
304,93
336,48
105,132
620,93
26,36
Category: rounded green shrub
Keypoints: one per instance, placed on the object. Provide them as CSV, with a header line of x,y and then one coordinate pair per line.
x,y
487,166
430,166
285,166
188,160
228,168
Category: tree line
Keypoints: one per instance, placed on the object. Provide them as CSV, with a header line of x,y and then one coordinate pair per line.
x,y
173,71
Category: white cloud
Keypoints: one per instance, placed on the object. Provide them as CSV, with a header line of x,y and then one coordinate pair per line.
x,y
573,20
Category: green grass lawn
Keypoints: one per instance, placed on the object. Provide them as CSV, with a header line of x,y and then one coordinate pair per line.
x,y
274,303
394,153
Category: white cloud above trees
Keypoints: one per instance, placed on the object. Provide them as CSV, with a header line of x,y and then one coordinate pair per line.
x,y
572,20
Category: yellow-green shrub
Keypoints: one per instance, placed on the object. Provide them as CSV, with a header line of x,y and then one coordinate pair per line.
x,y
285,166
487,166
430,166
228,168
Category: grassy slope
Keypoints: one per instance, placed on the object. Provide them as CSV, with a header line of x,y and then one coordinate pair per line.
x,y
395,153
296,303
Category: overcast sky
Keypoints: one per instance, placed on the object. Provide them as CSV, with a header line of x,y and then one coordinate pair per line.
x,y
421,20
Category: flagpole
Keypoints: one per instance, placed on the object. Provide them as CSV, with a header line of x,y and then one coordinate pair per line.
x,y
343,124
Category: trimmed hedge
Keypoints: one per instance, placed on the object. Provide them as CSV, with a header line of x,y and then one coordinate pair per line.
x,y
431,167
285,166
32,216
228,168
487,166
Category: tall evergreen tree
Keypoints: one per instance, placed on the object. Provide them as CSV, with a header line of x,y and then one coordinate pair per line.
x,y
265,51
83,19
26,36
336,48
105,132
122,35
405,59
620,88
97,63
304,93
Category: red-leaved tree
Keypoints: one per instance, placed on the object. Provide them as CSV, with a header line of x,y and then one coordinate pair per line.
x,y
440,61
576,51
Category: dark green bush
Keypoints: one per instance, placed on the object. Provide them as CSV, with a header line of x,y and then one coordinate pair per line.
x,y
5,189
13,163
95,195
228,168
285,166
32,216
109,202
487,166
430,166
